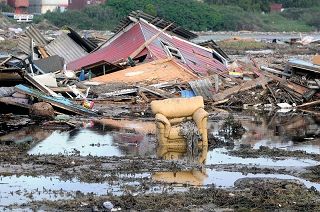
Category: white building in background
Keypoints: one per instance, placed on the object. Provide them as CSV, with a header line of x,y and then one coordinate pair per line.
x,y
42,6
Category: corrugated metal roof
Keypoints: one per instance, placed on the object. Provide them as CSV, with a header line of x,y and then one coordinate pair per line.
x,y
35,34
195,58
119,49
157,21
202,88
66,48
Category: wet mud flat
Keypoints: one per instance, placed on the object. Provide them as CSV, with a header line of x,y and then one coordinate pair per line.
x,y
267,166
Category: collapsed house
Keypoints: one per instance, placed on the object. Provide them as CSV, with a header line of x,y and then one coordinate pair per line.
x,y
139,40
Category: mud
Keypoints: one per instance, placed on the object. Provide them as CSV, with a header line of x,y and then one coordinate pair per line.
x,y
274,153
257,194
117,160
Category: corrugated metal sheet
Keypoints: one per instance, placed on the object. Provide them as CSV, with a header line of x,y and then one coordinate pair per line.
x,y
202,88
35,34
119,49
24,45
66,48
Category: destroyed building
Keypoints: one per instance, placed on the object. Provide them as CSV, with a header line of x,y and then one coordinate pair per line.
x,y
143,39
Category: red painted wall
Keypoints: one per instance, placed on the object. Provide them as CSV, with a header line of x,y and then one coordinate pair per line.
x,y
20,6
18,3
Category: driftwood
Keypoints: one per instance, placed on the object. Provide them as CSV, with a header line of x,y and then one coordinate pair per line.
x,y
308,104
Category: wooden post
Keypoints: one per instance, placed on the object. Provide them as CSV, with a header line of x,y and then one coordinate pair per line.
x,y
216,82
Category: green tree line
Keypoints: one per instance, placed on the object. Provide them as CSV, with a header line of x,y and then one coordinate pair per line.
x,y
195,15
264,5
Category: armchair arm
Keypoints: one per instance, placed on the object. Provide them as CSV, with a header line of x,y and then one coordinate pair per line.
x,y
198,118
164,121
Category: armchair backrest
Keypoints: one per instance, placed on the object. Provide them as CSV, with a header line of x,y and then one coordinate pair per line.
x,y
177,107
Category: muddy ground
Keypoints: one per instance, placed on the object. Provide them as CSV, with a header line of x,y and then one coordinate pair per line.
x,y
269,161
236,173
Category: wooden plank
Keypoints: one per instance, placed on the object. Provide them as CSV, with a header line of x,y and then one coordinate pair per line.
x,y
156,91
59,102
38,85
309,104
65,89
146,44
14,101
6,60
236,89
43,52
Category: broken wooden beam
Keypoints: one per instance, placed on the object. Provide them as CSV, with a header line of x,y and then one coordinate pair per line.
x,y
15,101
295,87
38,84
309,104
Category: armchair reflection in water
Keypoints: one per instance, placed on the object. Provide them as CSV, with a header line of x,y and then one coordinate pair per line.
x,y
195,176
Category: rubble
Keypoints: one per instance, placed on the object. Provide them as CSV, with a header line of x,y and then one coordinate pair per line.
x,y
147,64
42,110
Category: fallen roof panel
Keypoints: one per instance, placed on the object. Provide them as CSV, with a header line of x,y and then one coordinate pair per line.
x,y
24,44
202,87
119,49
50,64
60,102
305,65
149,73
66,48
35,34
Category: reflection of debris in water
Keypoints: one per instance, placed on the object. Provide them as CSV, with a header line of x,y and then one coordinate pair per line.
x,y
232,129
190,132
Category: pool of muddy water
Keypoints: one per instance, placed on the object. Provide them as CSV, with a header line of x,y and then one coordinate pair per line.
x,y
137,138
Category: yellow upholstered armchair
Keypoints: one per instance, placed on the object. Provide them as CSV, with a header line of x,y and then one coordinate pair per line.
x,y
171,112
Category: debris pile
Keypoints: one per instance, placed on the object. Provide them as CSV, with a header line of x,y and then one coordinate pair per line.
x,y
147,58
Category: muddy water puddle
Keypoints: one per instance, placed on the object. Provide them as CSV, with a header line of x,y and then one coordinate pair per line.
x,y
220,156
24,189
137,138
109,137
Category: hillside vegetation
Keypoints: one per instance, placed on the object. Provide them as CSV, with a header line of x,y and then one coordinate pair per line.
x,y
213,15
